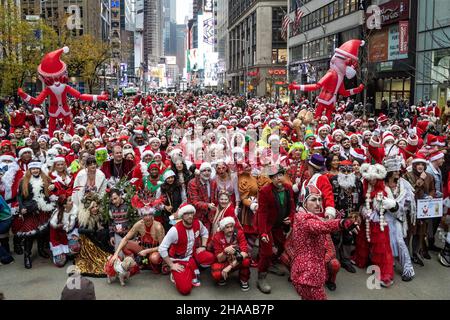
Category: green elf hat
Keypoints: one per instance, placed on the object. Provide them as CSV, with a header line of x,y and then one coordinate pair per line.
x,y
309,132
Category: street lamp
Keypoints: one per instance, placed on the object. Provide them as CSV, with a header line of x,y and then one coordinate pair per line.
x,y
246,64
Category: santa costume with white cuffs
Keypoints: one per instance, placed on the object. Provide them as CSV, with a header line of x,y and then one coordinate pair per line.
x,y
386,146
10,180
328,139
373,239
141,170
180,244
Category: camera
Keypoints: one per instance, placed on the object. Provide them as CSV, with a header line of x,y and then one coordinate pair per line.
x,y
238,255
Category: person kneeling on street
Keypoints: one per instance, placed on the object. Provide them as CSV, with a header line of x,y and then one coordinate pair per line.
x,y
230,249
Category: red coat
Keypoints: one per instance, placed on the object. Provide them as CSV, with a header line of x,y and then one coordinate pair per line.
x,y
127,168
198,197
18,120
266,215
220,242
378,153
309,238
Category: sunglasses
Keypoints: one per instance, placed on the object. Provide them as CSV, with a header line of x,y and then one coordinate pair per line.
x,y
208,170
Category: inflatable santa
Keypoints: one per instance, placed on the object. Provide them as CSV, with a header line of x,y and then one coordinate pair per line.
x,y
53,72
343,64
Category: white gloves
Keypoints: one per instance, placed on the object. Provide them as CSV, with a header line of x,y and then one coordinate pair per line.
x,y
388,204
254,206
412,132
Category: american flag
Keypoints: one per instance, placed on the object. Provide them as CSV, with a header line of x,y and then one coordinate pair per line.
x,y
298,17
284,27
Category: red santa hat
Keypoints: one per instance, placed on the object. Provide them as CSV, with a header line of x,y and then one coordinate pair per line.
x,y
139,130
338,131
24,150
324,126
59,159
387,136
436,140
147,152
101,148
358,154
186,208
154,139
226,221
419,158
8,156
382,118
317,146
435,156
51,65
350,49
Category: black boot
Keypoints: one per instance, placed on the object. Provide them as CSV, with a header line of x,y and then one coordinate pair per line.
x,y
17,242
41,248
28,245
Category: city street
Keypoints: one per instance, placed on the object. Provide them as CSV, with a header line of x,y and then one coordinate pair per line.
x,y
44,281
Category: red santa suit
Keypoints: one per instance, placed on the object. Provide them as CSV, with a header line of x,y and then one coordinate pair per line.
x,y
54,73
220,242
332,83
379,152
373,239
180,244
267,217
17,120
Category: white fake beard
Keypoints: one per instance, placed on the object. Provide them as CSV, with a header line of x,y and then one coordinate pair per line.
x,y
350,73
346,181
8,178
390,150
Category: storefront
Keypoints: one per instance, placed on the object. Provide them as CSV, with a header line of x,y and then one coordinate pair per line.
x,y
391,64
276,85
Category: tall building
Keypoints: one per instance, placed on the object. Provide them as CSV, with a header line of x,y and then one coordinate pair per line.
x,y
222,41
152,33
433,51
181,48
127,27
85,16
170,28
257,53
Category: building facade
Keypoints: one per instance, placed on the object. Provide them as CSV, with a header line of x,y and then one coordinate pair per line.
x,y
221,42
88,17
257,53
391,54
325,25
433,51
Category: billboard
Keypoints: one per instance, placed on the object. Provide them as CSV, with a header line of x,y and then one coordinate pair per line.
x,y
390,43
171,60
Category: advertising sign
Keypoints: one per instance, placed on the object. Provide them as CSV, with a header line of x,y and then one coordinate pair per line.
x,y
394,44
403,36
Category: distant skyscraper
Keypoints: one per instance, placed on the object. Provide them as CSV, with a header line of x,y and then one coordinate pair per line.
x,y
152,32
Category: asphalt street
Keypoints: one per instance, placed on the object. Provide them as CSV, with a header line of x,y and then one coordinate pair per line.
x,y
45,281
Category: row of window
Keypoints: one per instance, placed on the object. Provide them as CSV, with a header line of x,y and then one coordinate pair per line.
x,y
237,7
323,15
319,48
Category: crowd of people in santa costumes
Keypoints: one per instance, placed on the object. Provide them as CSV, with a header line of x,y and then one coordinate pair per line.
x,y
199,186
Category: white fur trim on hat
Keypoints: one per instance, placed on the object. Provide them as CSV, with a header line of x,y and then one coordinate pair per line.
x,y
338,131
437,156
226,221
22,151
205,165
273,137
189,208
154,139
59,159
7,158
34,165
168,174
